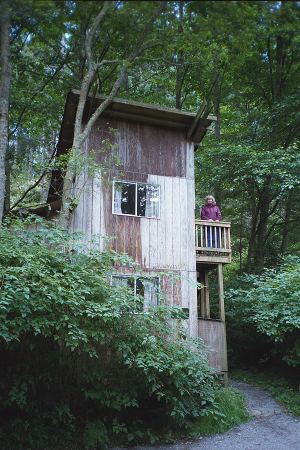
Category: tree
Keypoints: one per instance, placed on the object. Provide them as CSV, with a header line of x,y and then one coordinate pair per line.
x,y
259,114
39,58
81,132
268,306
4,96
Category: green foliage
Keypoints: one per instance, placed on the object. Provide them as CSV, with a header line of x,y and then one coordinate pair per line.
x,y
268,306
280,387
79,368
229,410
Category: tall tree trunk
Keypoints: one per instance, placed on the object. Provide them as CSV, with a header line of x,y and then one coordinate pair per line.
x,y
262,227
81,132
7,183
4,95
216,105
216,101
251,244
261,237
254,219
287,217
180,62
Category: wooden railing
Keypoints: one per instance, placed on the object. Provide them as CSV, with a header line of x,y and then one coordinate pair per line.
x,y
213,241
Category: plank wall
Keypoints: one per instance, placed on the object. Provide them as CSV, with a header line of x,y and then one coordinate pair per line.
x,y
213,334
159,156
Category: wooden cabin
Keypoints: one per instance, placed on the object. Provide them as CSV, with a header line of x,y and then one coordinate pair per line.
x,y
145,206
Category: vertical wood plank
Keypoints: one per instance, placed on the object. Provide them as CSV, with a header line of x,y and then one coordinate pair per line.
x,y
221,292
153,229
206,296
95,230
79,211
183,223
168,227
190,161
145,241
102,232
88,201
190,201
161,224
222,310
193,314
177,223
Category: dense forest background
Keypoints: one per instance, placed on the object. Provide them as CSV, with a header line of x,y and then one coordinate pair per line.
x,y
242,58
239,60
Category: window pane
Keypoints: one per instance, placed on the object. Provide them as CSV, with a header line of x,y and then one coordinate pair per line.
x,y
139,287
130,281
141,200
118,281
123,280
150,292
124,198
152,201
139,301
117,198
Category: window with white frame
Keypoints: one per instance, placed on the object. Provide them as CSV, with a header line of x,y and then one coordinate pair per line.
x,y
136,199
145,289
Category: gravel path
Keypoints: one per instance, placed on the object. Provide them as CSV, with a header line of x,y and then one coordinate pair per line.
x,y
270,428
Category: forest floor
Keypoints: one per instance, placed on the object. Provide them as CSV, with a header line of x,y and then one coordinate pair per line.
x,y
270,428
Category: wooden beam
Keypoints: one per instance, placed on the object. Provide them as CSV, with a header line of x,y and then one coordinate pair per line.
x,y
222,316
221,292
197,118
200,123
204,295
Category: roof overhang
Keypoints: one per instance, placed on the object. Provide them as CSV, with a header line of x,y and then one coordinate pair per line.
x,y
193,124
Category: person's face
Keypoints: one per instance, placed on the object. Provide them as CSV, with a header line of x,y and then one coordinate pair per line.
x,y
209,201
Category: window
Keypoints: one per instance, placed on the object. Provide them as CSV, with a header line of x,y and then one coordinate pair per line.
x,y
145,289
136,199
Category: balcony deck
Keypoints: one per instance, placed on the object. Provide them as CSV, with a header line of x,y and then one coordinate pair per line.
x,y
213,244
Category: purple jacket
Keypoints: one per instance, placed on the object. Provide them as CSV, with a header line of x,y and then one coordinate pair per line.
x,y
210,212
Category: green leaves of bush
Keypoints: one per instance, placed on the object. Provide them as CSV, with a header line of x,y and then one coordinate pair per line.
x,y
75,356
271,304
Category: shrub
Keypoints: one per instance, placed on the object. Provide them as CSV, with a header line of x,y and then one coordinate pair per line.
x,y
269,309
79,369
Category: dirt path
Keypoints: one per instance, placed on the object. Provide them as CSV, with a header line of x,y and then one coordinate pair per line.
x,y
269,429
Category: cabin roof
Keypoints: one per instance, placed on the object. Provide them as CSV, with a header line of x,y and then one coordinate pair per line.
x,y
194,125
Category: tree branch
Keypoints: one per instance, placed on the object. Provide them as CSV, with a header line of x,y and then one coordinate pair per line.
x,y
37,182
37,92
138,49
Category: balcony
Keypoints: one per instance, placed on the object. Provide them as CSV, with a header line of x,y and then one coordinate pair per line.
x,y
212,242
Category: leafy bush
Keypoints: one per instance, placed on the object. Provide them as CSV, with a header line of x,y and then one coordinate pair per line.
x,y
267,310
79,369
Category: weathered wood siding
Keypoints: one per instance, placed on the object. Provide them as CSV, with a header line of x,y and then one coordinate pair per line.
x,y
157,156
142,148
213,334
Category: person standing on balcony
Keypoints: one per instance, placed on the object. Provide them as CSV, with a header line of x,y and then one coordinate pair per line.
x,y
211,212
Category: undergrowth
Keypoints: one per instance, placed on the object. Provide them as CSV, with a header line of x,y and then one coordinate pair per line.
x,y
229,410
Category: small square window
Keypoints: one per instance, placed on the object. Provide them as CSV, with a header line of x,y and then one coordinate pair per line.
x,y
136,199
